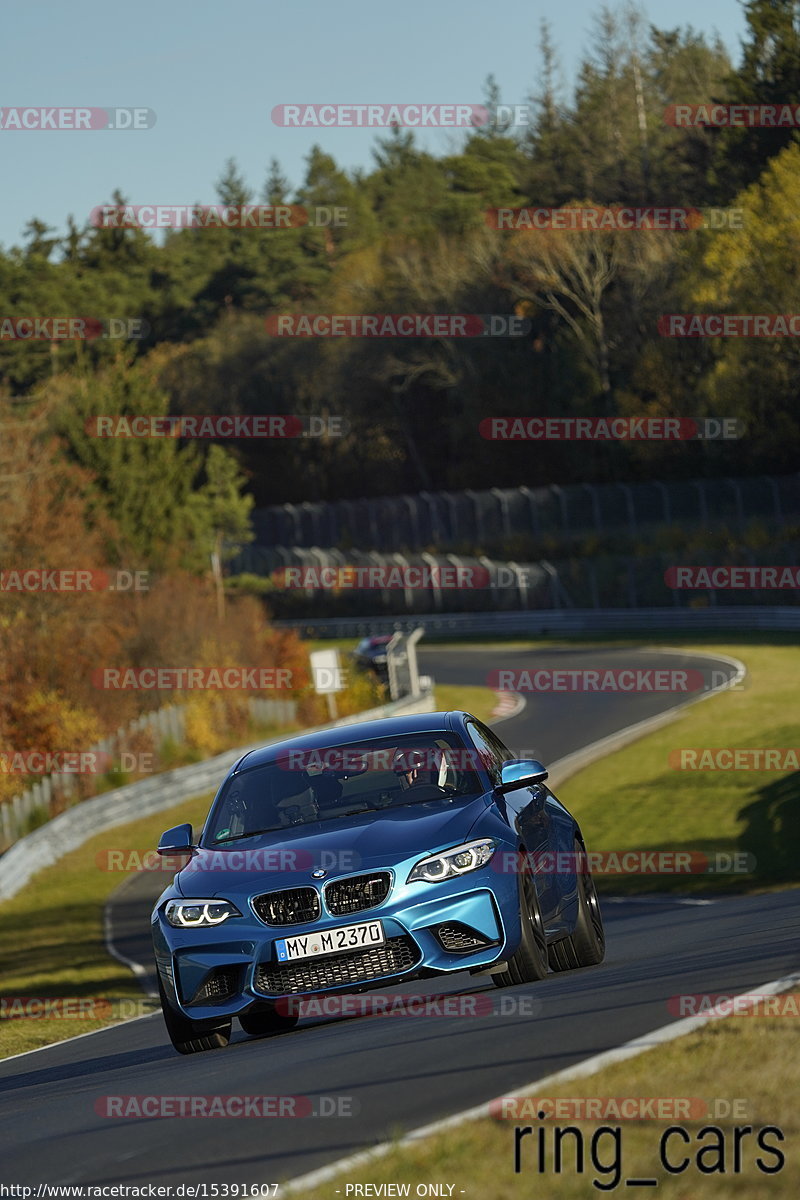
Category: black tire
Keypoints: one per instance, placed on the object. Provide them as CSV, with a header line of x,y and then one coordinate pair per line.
x,y
262,1021
190,1037
586,946
529,963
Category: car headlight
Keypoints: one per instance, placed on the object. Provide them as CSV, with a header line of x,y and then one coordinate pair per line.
x,y
450,863
192,914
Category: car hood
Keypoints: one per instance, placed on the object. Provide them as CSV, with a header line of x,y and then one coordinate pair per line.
x,y
344,846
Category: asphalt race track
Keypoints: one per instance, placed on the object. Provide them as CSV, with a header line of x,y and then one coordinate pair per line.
x,y
387,1074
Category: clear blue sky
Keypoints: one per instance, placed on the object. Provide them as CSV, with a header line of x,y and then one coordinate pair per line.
x,y
213,72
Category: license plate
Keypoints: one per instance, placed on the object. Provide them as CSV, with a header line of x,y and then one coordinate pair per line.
x,y
330,941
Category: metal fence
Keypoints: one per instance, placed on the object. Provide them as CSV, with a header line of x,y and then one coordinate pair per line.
x,y
487,519
36,803
667,621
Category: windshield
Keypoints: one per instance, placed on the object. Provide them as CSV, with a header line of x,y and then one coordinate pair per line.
x,y
306,786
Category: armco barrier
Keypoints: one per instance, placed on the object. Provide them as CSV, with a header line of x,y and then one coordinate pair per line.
x,y
543,622
72,828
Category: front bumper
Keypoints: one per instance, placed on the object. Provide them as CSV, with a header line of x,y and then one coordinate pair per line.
x,y
462,924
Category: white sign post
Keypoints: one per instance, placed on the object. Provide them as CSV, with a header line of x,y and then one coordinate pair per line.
x,y
329,677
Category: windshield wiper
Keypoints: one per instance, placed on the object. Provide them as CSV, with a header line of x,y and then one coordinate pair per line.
x,y
235,837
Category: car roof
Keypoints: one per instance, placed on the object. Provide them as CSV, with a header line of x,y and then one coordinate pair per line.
x,y
383,727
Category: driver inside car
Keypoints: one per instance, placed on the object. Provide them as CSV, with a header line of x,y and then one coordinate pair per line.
x,y
419,781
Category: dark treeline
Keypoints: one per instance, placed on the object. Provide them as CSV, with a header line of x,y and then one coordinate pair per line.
x,y
416,240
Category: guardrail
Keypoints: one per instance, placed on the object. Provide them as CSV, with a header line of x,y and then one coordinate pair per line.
x,y
72,828
541,622
167,722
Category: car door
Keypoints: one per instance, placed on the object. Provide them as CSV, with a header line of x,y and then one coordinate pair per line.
x,y
527,812
558,870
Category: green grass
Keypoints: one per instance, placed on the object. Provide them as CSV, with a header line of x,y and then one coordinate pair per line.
x,y
479,701
633,799
750,1060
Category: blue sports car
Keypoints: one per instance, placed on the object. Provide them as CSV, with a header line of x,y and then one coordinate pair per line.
x,y
366,855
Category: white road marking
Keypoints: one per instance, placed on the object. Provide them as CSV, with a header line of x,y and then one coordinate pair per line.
x,y
666,1033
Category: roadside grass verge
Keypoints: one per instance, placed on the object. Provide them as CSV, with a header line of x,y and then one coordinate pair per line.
x,y
738,1072
634,800
480,701
51,933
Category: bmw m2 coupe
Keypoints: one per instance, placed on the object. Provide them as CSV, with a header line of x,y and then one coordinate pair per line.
x,y
362,856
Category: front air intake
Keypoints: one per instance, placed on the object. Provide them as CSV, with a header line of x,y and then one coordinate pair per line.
x,y
461,939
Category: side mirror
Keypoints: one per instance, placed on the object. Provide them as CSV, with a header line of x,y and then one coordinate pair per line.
x,y
176,841
525,772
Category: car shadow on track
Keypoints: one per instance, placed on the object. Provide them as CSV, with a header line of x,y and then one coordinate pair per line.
x,y
90,1066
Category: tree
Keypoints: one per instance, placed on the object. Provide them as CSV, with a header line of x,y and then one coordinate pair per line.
x,y
143,484
545,142
231,187
276,186
220,515
769,74
754,270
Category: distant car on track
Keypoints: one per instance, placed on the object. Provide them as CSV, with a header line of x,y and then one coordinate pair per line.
x,y
370,655
364,856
